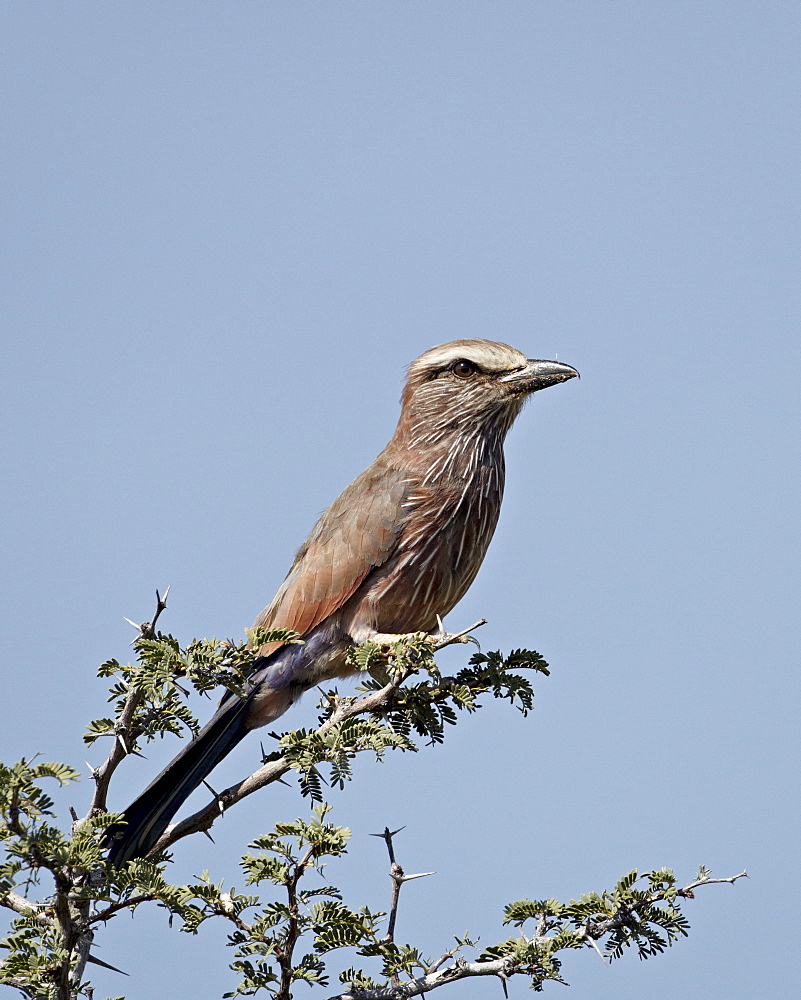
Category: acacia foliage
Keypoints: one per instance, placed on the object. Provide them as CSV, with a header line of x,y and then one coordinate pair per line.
x,y
55,880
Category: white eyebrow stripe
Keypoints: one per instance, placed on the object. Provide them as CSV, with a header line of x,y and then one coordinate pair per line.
x,y
494,358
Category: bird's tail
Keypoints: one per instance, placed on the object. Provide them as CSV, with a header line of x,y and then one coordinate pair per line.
x,y
279,680
149,816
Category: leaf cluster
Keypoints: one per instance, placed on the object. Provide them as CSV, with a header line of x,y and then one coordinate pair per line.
x,y
428,705
628,916
30,842
155,679
40,945
336,746
265,954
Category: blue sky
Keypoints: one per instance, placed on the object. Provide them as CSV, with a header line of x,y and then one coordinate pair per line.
x,y
228,228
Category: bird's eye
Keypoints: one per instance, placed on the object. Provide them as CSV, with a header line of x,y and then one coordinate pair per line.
x,y
463,369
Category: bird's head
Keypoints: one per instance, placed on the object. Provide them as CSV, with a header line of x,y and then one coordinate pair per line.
x,y
470,385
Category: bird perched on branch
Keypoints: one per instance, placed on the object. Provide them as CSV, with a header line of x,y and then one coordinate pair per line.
x,y
399,547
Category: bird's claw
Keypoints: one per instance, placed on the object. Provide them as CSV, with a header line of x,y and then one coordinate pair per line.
x,y
443,638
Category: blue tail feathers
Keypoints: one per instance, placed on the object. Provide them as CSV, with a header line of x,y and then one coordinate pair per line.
x,y
279,680
150,814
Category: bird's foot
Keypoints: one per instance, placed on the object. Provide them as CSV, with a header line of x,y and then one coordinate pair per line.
x,y
443,638
439,639
380,667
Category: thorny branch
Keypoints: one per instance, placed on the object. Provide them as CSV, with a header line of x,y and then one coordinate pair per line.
x,y
595,931
71,914
120,749
293,928
124,904
13,901
505,968
398,877
374,703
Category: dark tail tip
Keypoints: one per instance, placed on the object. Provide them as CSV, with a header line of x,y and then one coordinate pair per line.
x,y
146,819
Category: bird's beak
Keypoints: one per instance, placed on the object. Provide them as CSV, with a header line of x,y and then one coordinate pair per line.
x,y
537,375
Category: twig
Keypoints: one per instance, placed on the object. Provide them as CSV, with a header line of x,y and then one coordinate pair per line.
x,y
293,931
119,749
74,921
81,949
397,876
443,959
122,904
597,930
19,904
505,968
227,909
147,630
20,983
688,889
460,969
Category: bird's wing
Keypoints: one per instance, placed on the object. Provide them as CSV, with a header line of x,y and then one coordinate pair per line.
x,y
356,534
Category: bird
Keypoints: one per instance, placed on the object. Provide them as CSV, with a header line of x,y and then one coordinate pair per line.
x,y
392,555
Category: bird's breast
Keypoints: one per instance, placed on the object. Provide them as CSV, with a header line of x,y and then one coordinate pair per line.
x,y
443,534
